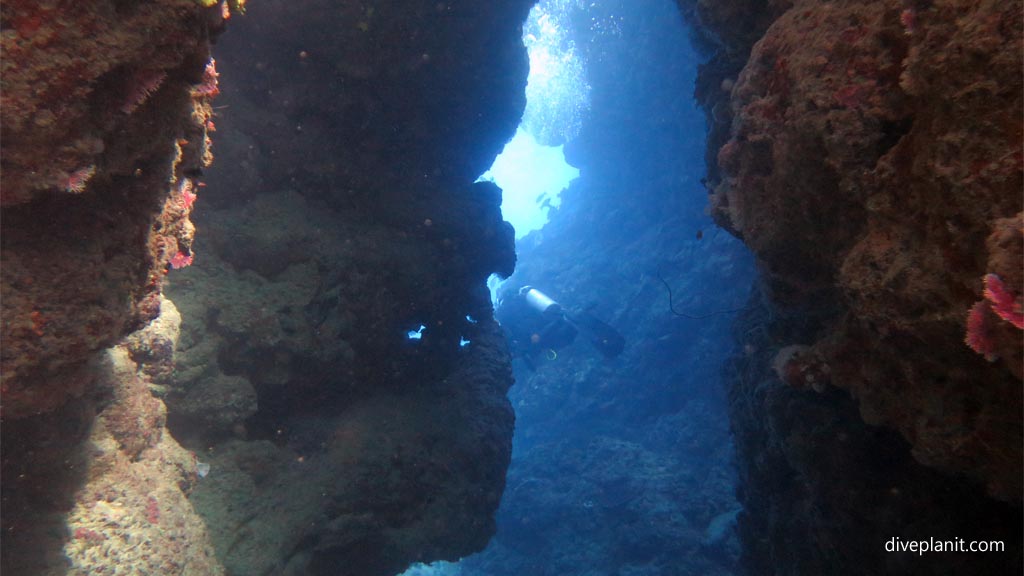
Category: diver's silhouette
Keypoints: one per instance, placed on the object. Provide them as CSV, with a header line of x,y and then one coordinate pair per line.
x,y
538,325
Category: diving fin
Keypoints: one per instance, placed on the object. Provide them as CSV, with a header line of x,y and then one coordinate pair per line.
x,y
608,341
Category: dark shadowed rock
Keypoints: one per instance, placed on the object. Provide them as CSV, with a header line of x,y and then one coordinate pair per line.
x,y
358,134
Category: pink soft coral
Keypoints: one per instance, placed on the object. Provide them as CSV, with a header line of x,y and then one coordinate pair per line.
x,y
979,331
180,260
188,197
1003,302
141,86
981,324
208,87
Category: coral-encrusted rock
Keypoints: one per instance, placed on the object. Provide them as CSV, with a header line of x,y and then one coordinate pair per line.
x,y
101,133
875,147
152,348
135,419
814,108
812,472
132,510
102,484
102,136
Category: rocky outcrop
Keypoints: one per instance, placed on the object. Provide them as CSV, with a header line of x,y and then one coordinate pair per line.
x,y
869,155
380,482
824,493
874,149
105,119
345,216
81,492
342,215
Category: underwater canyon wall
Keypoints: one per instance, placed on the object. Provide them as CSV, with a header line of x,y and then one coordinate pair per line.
x,y
869,154
341,215
105,119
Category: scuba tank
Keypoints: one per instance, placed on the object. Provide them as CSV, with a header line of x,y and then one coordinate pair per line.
x,y
539,301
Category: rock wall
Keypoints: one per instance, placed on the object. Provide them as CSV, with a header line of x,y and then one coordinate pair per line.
x,y
874,149
823,492
98,480
105,123
105,120
869,155
342,214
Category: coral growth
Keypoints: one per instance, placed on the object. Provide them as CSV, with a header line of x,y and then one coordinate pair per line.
x,y
982,329
141,86
208,87
187,196
180,260
995,322
847,118
1006,304
78,179
980,335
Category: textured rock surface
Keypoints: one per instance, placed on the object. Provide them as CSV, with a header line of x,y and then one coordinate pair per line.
x,y
386,480
104,118
341,215
99,482
103,130
294,377
823,493
133,510
874,149
869,154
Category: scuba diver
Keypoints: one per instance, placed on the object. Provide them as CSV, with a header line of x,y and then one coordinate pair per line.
x,y
537,325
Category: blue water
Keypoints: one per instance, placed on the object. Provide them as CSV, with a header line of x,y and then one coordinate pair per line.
x,y
623,465
532,177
